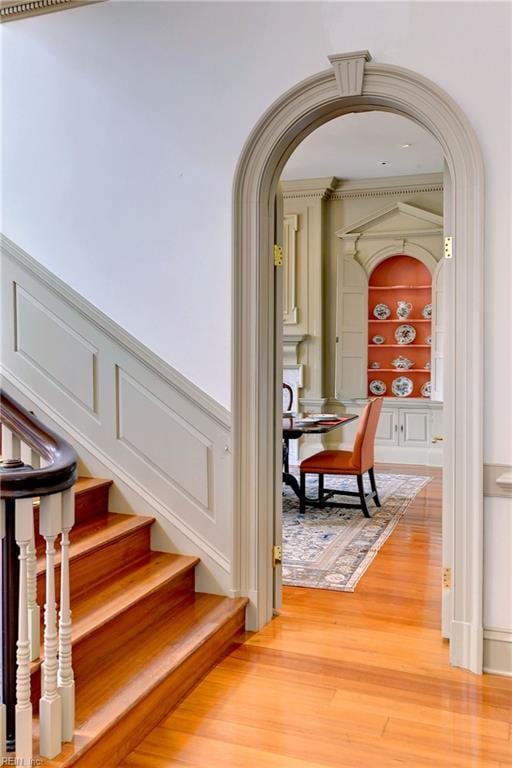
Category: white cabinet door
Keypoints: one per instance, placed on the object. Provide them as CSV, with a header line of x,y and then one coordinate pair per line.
x,y
414,426
387,430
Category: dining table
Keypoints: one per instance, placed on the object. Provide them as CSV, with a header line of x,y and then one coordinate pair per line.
x,y
295,427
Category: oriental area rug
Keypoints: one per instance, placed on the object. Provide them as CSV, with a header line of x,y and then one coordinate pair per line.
x,y
331,548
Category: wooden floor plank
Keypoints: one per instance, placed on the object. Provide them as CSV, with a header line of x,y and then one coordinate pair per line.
x,y
348,679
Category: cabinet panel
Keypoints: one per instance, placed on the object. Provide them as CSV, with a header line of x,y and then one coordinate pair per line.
x,y
387,430
414,428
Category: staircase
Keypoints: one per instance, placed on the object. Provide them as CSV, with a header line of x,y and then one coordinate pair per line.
x,y
142,638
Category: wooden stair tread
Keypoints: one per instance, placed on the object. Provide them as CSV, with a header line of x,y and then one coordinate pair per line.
x,y
85,484
98,606
96,533
146,661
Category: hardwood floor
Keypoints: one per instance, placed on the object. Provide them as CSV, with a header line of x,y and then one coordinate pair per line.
x,y
355,680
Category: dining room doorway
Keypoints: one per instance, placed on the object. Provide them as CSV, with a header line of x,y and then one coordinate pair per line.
x,y
362,317
257,371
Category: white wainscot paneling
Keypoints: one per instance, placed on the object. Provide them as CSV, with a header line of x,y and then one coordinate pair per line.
x,y
54,348
133,418
161,437
498,564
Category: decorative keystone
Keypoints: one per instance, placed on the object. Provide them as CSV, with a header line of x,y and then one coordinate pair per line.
x,y
349,71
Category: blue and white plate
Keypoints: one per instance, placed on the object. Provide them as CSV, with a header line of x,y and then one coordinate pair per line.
x,y
381,311
405,334
426,389
427,311
377,387
402,386
378,339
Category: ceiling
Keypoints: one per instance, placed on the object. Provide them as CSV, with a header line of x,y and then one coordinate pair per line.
x,y
365,145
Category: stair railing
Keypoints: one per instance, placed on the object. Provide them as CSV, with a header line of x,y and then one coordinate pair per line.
x,y
38,471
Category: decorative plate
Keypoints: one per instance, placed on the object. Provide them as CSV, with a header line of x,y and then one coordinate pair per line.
x,y
378,339
402,386
427,311
428,340
375,364
381,311
405,334
426,389
377,387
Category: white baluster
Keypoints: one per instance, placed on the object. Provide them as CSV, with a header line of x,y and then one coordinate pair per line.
x,y
34,612
65,676
50,709
25,453
10,444
3,752
24,526
35,460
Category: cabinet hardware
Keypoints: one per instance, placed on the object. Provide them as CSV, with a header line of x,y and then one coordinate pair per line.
x,y
447,578
401,428
448,247
437,439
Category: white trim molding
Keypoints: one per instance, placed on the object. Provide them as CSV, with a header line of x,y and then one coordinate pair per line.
x,y
498,480
498,652
281,129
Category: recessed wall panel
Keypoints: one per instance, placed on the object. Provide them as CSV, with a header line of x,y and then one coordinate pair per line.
x,y
159,436
54,348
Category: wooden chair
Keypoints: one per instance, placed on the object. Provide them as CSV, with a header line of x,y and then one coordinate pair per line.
x,y
287,406
355,462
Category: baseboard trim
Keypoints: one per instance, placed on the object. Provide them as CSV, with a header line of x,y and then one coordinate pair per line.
x,y
498,652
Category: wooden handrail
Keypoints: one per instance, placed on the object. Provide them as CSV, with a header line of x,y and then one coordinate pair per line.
x,y
58,475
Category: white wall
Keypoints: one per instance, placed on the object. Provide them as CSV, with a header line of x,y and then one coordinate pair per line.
x,y
118,177
122,124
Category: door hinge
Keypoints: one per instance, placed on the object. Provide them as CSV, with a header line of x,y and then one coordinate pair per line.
x,y
447,578
448,247
278,256
277,555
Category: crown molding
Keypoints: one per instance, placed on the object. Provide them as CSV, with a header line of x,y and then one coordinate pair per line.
x,y
321,188
334,188
12,11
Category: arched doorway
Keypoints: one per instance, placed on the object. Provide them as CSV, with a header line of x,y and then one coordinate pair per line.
x,y
355,84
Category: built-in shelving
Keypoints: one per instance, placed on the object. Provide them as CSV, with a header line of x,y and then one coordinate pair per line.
x,y
399,321
399,287
400,278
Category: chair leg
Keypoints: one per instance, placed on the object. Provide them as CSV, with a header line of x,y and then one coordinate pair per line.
x,y
374,487
302,500
320,487
362,497
286,455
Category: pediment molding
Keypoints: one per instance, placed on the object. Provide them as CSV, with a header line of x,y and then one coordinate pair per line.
x,y
363,227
